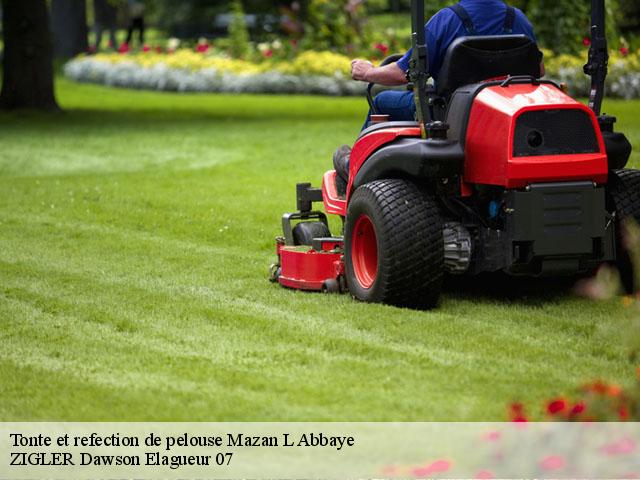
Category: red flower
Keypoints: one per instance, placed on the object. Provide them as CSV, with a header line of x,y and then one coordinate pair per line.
x,y
598,387
623,413
614,391
578,409
124,48
146,48
553,462
586,41
202,48
557,406
158,49
382,48
268,53
516,413
624,51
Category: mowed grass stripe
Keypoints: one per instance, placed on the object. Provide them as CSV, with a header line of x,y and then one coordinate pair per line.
x,y
408,352
227,297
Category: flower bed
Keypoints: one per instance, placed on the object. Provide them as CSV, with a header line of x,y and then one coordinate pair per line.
x,y
321,73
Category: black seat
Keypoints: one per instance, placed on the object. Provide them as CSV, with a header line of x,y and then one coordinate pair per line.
x,y
474,59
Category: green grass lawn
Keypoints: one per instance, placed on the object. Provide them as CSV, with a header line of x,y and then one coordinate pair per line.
x,y
136,230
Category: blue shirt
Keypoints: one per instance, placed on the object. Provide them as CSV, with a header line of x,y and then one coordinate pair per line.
x,y
445,26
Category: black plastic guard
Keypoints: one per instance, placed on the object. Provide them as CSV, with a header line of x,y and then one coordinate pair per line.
x,y
414,158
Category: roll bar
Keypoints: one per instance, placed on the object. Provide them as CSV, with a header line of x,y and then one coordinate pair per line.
x,y
598,65
419,63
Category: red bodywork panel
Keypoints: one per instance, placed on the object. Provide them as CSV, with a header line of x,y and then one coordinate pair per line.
x,y
304,269
333,204
361,151
489,156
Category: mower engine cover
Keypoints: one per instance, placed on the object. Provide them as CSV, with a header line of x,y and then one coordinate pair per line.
x,y
516,134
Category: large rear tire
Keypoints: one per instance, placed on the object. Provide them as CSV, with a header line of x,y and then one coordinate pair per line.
x,y
624,192
394,247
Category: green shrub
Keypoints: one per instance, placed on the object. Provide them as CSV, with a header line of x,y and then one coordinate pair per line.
x,y
335,25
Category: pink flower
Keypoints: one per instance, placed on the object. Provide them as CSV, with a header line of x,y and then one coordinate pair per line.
x,y
268,53
124,48
439,466
622,447
492,436
553,462
202,48
586,41
146,48
624,51
390,471
485,475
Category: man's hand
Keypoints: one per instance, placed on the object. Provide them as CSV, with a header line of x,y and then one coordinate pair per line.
x,y
359,69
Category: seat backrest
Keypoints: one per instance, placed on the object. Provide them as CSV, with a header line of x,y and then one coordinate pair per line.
x,y
474,59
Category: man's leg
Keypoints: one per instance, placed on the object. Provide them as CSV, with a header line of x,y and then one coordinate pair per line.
x,y
130,32
99,29
113,42
399,105
141,27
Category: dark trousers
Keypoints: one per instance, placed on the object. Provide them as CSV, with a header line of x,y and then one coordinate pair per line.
x,y
136,24
399,105
100,28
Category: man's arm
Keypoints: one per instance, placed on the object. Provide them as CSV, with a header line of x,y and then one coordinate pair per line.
x,y
390,75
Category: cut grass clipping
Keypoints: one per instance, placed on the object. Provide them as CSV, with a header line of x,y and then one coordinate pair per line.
x,y
136,230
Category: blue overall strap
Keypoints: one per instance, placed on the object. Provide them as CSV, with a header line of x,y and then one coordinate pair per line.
x,y
509,20
464,16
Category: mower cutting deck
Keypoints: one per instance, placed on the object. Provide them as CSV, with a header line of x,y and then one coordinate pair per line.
x,y
508,174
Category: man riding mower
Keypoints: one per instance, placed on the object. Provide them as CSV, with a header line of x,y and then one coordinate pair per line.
x,y
500,172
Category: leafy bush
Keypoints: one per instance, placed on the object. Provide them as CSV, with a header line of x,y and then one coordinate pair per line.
x,y
623,80
335,25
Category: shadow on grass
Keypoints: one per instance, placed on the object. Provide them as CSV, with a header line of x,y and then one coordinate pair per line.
x,y
183,118
514,290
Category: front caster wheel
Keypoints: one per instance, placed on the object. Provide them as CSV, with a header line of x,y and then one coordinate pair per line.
x,y
394,247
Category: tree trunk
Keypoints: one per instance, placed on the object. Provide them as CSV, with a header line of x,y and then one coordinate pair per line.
x,y
27,62
69,27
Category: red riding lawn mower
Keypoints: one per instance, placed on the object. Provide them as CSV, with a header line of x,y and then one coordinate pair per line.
x,y
501,172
